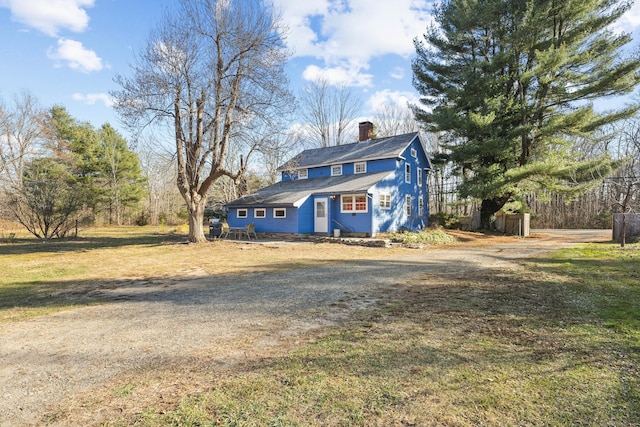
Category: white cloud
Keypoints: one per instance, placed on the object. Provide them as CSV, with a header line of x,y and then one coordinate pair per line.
x,y
397,73
50,16
630,21
92,98
75,56
339,76
379,100
354,31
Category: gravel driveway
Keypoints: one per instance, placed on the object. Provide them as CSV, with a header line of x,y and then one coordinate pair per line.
x,y
48,360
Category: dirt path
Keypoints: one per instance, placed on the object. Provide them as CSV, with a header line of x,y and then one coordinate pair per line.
x,y
51,365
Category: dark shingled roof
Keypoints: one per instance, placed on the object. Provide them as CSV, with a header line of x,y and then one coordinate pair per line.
x,y
381,148
293,192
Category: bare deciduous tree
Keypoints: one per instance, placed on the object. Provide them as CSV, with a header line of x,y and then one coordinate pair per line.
x,y
624,185
276,152
163,198
395,119
20,131
48,199
328,112
211,68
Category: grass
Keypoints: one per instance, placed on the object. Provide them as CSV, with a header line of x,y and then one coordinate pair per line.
x,y
557,343
43,277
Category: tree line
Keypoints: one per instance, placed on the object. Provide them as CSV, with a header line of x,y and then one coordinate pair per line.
x,y
507,99
57,172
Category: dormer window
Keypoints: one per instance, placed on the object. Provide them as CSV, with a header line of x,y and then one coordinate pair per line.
x,y
303,173
360,167
336,170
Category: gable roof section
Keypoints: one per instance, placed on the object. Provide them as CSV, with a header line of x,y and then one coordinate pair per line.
x,y
381,148
295,192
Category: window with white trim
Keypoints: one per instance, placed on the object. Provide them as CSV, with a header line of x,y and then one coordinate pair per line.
x,y
419,176
414,153
279,212
303,173
420,206
259,213
353,203
408,205
385,201
407,173
336,170
360,167
242,213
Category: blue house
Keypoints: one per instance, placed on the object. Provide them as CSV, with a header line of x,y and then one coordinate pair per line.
x,y
364,188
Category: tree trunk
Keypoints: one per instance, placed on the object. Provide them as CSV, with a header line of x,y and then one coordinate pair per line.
x,y
623,238
488,209
196,222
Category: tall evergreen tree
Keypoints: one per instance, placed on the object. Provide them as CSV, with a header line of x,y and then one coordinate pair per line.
x,y
120,174
76,145
510,85
104,168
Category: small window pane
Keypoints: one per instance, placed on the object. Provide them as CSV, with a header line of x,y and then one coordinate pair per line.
x,y
347,203
361,203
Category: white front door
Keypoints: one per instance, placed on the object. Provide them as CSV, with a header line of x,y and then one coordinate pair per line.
x,y
321,216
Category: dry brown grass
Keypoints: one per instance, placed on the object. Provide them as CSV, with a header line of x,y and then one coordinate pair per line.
x,y
527,346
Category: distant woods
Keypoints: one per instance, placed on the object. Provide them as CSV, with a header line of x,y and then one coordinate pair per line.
x,y
57,172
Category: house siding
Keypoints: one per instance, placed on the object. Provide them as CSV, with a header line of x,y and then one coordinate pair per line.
x,y
381,165
306,215
392,219
418,163
373,166
395,218
270,224
354,222
391,180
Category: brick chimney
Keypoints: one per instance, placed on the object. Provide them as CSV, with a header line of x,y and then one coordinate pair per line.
x,y
366,131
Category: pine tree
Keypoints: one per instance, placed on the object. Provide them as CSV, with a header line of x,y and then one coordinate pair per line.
x,y
120,174
510,85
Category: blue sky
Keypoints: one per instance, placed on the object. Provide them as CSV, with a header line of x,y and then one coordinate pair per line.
x,y
68,51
